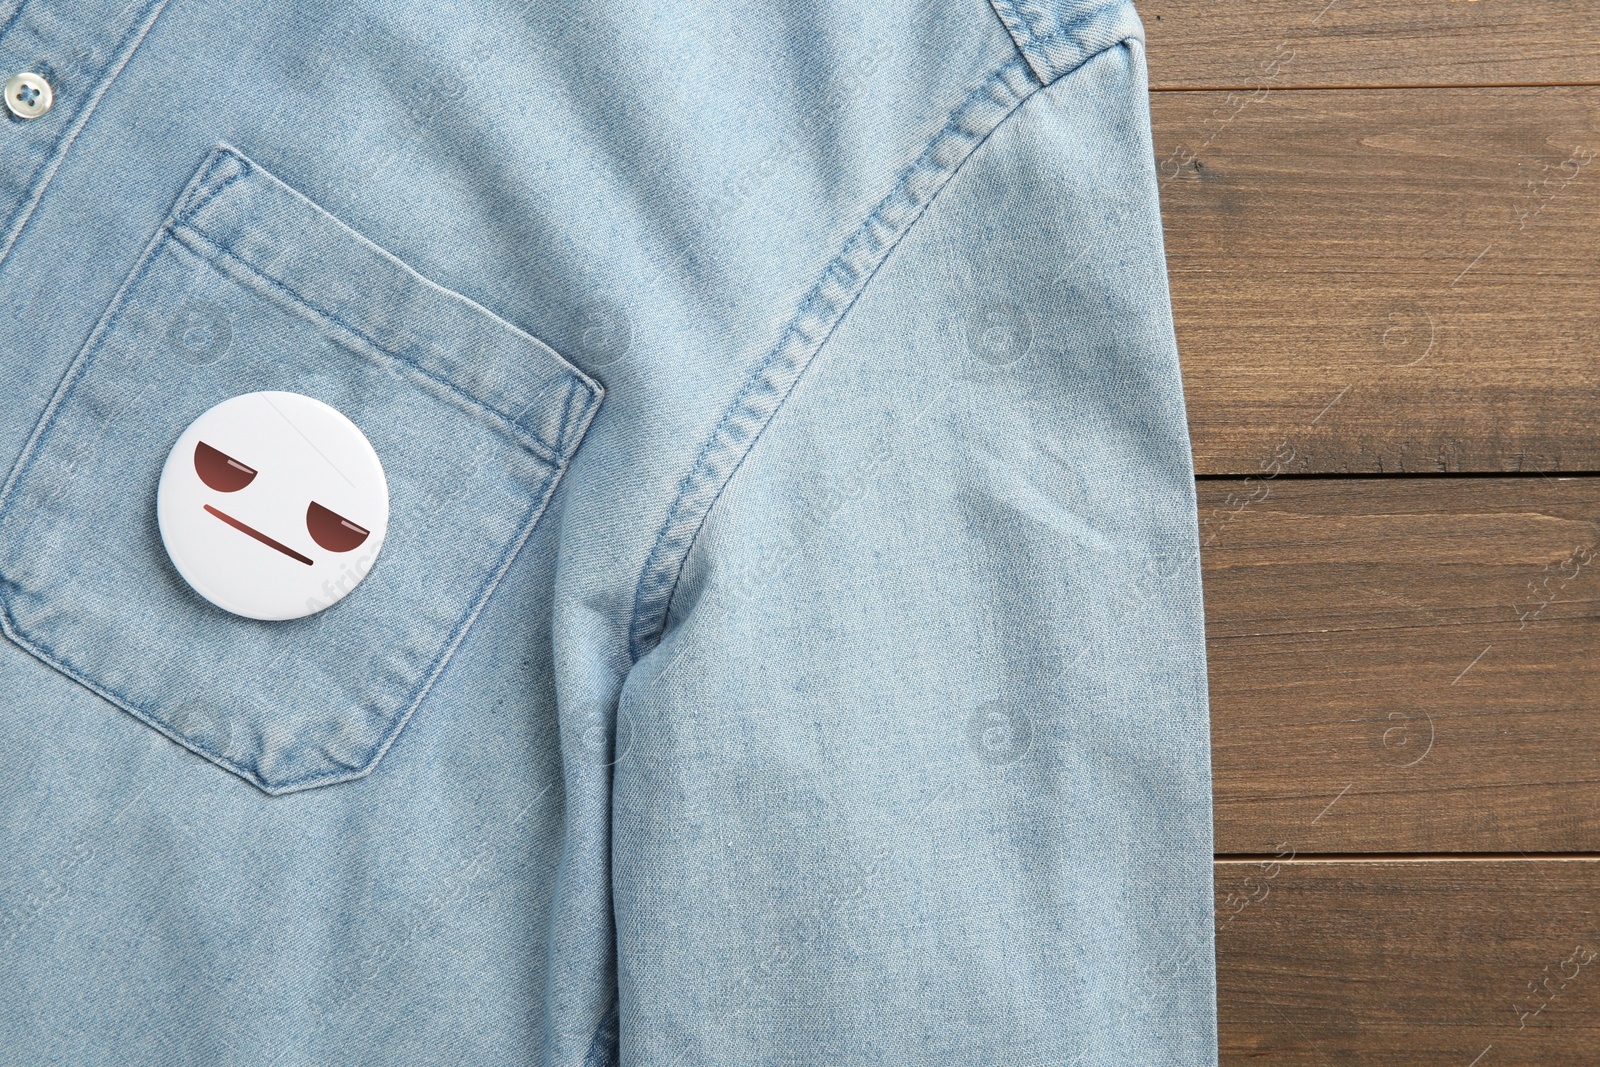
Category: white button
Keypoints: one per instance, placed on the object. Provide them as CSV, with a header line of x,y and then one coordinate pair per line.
x,y
273,505
28,95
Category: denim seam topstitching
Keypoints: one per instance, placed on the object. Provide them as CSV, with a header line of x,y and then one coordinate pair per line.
x,y
1023,36
758,400
47,170
200,192
219,257
820,311
237,166
539,501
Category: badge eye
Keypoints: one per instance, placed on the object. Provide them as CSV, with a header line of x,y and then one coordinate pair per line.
x,y
221,471
333,531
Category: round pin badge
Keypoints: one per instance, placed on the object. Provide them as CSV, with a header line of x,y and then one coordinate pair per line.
x,y
273,505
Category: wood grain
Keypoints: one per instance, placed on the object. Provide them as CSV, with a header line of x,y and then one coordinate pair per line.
x,y
1386,280
1378,270
1423,963
1404,664
1201,44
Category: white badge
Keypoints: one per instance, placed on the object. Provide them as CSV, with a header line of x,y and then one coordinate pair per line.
x,y
273,505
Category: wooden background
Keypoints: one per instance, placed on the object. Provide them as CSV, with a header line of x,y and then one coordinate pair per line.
x,y
1383,233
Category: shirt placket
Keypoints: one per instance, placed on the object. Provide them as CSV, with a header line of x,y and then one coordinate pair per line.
x,y
56,62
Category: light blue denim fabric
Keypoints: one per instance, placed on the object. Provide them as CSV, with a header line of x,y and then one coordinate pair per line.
x,y
787,648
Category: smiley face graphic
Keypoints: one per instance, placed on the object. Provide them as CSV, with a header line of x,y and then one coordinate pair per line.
x,y
273,505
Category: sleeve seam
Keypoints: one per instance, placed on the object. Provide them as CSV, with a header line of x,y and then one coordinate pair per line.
x,y
819,313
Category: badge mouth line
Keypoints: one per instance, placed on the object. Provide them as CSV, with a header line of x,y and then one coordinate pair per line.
x,y
258,535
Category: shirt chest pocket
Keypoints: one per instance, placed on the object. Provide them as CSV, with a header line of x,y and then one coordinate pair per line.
x,y
249,287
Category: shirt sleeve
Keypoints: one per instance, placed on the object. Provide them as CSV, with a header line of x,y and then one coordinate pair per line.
x,y
919,771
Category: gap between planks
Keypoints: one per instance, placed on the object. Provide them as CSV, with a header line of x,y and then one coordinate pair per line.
x,y
1327,476
1401,857
1366,88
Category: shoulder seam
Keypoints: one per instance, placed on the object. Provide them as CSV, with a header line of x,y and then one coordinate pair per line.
x,y
840,284
1057,36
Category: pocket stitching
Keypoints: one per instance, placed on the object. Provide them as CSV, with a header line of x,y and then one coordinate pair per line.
x,y
556,466
9,623
206,188
81,361
566,411
240,166
48,655
287,299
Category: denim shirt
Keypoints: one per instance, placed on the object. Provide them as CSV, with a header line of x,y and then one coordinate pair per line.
x,y
787,647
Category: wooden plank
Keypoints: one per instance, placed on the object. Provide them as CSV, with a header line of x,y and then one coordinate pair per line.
x,y
1425,963
1404,664
1386,280
1201,44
